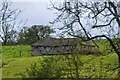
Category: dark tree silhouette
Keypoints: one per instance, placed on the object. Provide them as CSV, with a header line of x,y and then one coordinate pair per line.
x,y
34,33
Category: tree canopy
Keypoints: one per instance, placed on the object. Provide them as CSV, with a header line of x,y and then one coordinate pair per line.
x,y
34,33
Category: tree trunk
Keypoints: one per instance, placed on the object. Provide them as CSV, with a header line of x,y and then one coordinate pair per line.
x,y
5,42
76,67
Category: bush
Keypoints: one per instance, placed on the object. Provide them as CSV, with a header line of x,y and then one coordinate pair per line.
x,y
47,68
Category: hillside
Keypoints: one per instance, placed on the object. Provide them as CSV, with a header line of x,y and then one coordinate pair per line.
x,y
16,59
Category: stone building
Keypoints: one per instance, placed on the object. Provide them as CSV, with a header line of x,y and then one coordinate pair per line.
x,y
49,46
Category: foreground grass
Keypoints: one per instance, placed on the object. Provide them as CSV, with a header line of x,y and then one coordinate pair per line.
x,y
0,73
17,58
16,66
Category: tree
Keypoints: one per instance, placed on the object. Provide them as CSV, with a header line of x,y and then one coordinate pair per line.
x,y
34,33
8,24
22,36
88,16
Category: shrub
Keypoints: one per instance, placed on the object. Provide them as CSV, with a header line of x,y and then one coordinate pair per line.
x,y
47,68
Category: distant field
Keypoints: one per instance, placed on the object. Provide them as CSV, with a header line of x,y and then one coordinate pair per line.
x,y
17,58
16,51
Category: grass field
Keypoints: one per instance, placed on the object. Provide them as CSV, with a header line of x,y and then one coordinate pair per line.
x,y
15,60
15,51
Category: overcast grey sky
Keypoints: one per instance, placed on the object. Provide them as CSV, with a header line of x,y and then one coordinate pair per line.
x,y
35,12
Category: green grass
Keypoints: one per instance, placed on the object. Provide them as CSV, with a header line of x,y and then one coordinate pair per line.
x,y
15,59
16,51
90,65
17,66
14,64
101,66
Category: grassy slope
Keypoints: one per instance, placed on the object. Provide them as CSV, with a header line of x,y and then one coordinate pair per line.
x,y
15,51
17,66
14,64
15,59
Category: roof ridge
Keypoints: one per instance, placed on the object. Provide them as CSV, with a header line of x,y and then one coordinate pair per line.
x,y
57,41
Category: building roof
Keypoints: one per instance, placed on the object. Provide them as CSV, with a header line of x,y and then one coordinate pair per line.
x,y
59,42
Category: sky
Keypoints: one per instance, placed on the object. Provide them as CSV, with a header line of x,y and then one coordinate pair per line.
x,y
35,12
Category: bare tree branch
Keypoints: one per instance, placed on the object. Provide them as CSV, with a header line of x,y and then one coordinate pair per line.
x,y
96,26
